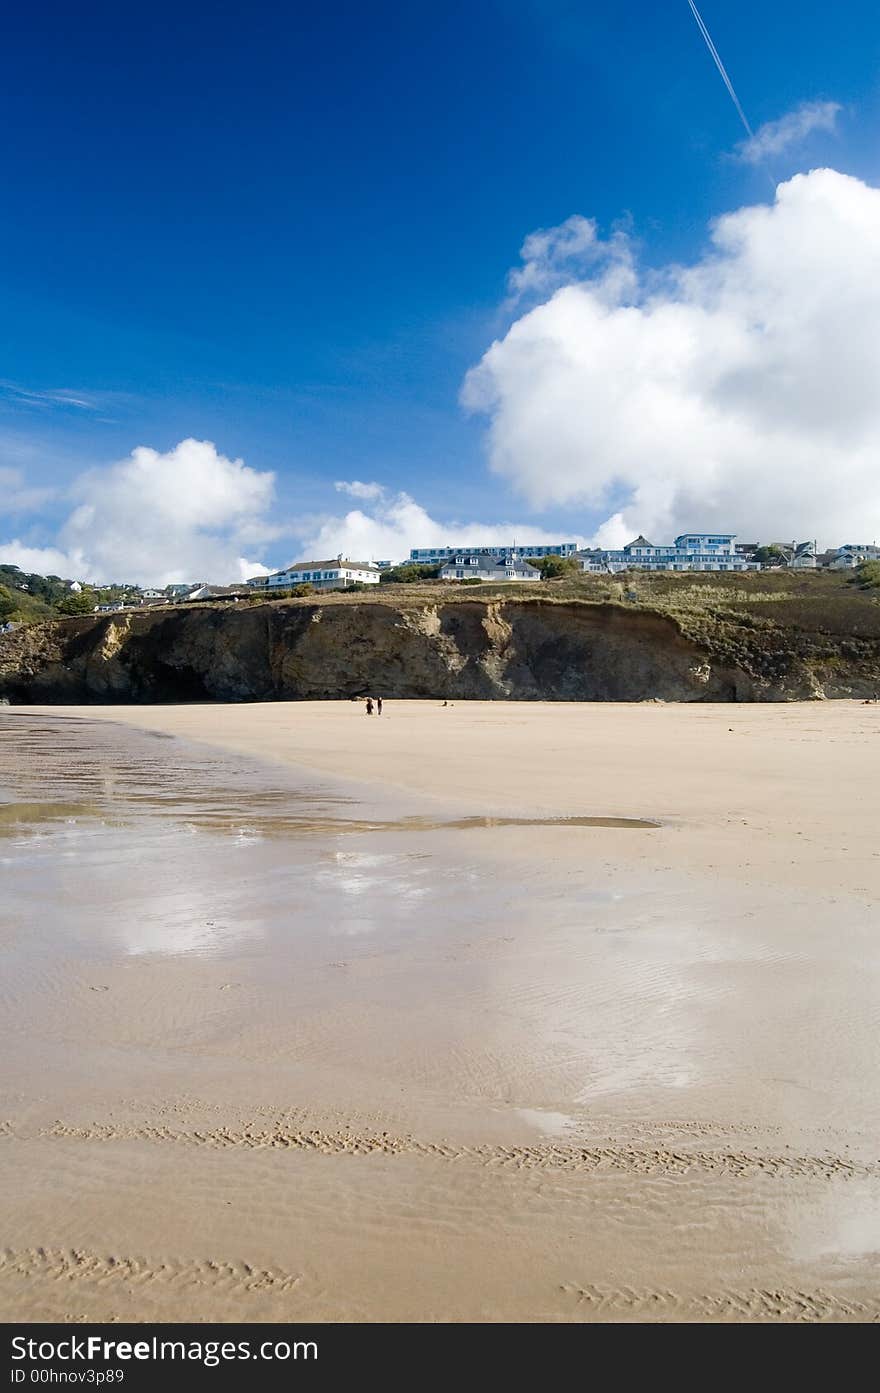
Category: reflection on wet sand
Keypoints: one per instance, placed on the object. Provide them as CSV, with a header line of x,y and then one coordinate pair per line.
x,y
281,1073
200,789
15,816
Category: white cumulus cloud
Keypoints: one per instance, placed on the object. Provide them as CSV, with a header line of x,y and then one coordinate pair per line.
x,y
17,495
738,392
395,522
553,256
369,493
189,513
46,561
775,137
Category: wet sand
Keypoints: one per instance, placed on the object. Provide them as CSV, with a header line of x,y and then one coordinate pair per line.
x,y
489,1012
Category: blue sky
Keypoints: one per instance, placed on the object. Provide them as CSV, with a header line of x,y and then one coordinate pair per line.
x,y
287,229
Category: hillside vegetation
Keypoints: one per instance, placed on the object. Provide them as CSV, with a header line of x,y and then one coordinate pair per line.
x,y
27,597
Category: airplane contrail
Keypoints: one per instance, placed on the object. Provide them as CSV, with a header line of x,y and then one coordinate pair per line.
x,y
721,68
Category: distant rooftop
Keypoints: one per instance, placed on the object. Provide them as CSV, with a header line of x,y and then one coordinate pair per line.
x,y
331,565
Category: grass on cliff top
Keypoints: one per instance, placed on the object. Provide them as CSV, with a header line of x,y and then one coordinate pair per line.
x,y
840,604
831,602
819,602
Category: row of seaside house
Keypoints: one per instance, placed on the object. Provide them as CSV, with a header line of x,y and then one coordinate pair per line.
x,y
692,551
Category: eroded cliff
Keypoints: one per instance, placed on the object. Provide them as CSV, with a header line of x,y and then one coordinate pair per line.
x,y
527,649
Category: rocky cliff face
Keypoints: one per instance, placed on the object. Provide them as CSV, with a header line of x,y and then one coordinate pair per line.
x,y
516,649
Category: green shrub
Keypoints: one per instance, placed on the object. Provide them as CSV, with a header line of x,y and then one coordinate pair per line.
x,y
77,602
408,572
868,575
553,567
291,592
770,555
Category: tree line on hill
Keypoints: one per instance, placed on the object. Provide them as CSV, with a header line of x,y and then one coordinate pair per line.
x,y
26,595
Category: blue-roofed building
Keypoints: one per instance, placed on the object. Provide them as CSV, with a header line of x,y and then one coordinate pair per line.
x,y
691,551
852,554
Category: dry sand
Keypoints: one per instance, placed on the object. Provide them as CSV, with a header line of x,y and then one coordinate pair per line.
x,y
289,1033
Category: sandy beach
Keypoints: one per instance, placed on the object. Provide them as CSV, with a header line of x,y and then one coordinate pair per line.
x,y
489,1011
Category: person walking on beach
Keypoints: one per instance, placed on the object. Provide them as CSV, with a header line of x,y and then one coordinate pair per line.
x,y
369,706
378,706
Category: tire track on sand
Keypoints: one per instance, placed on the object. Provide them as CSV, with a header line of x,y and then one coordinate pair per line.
x,y
754,1304
629,1158
86,1269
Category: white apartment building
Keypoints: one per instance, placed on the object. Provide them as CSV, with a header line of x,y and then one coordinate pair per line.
x,y
691,551
434,556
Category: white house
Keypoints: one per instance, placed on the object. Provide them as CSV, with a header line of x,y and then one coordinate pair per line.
x,y
323,575
481,565
802,556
